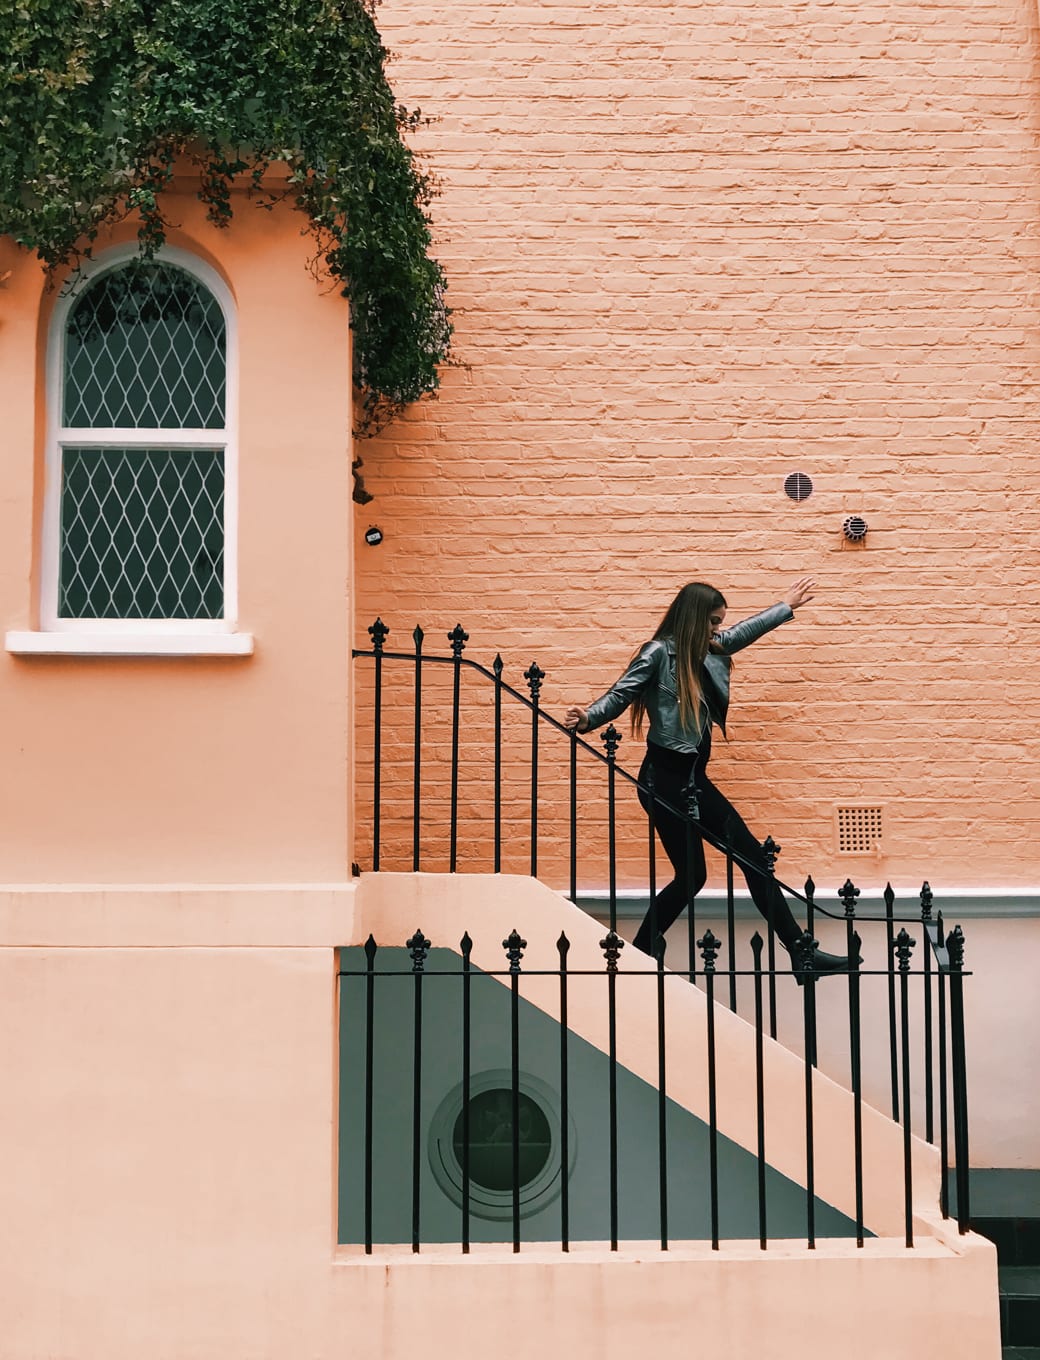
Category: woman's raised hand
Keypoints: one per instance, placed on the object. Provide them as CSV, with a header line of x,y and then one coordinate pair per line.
x,y
576,717
800,592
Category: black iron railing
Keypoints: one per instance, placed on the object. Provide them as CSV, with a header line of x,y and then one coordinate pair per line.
x,y
744,1212
407,735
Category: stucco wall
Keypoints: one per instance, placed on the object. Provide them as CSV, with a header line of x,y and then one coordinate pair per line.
x,y
203,769
693,248
169,1178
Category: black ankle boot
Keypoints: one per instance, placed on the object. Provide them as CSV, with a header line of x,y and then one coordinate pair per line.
x,y
830,963
823,964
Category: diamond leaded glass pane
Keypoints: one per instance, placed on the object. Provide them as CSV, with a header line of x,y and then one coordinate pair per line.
x,y
142,534
145,349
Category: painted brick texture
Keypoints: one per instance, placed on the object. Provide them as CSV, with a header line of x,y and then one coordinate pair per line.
x,y
693,248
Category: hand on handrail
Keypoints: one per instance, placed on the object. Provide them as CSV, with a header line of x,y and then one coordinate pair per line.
x,y
576,718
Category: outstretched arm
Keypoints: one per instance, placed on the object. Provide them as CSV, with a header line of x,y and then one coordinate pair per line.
x,y
746,632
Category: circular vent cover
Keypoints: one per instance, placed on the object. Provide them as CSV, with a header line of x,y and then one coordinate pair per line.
x,y
798,485
539,1141
854,528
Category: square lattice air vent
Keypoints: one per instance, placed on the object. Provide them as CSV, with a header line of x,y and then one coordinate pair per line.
x,y
858,829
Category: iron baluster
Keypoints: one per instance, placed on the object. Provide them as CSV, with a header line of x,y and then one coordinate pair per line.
x,y
810,906
458,638
563,945
418,947
534,675
760,1090
731,926
944,1131
370,986
770,849
496,667
890,937
929,1078
903,948
662,1099
652,858
466,945
378,633
573,780
417,638
848,894
709,947
856,1074
611,740
612,946
514,947
805,949
693,815
955,946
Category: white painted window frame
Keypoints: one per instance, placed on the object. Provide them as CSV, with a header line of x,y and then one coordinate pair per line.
x,y
135,637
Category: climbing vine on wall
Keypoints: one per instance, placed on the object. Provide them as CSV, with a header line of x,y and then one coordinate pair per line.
x,y
100,98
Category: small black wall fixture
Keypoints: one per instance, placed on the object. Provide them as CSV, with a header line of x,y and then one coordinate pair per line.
x,y
373,536
798,486
854,527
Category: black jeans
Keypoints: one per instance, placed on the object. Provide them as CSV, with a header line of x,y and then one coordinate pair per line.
x,y
673,772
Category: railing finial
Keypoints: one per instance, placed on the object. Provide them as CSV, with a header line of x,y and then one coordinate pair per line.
x,y
903,947
418,947
458,637
378,633
709,947
514,947
612,946
772,852
534,675
955,944
926,901
848,894
805,948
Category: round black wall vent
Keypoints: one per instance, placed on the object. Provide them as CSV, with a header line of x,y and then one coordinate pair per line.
x,y
798,485
490,1162
854,527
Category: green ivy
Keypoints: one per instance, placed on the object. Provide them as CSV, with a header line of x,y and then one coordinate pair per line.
x,y
99,98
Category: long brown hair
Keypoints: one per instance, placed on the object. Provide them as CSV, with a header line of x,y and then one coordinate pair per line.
x,y
687,622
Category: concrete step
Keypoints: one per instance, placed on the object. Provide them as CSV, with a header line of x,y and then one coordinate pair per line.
x,y
1020,1305
1005,1207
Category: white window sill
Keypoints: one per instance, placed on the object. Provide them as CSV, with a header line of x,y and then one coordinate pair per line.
x,y
31,643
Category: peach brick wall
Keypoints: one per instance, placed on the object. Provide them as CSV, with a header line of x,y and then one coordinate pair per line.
x,y
692,248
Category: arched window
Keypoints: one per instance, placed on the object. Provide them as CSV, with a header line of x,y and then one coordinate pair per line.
x,y
140,492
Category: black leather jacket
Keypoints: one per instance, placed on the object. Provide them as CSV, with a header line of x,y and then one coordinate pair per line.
x,y
651,673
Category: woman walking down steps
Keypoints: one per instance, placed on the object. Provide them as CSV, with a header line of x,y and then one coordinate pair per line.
x,y
679,681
